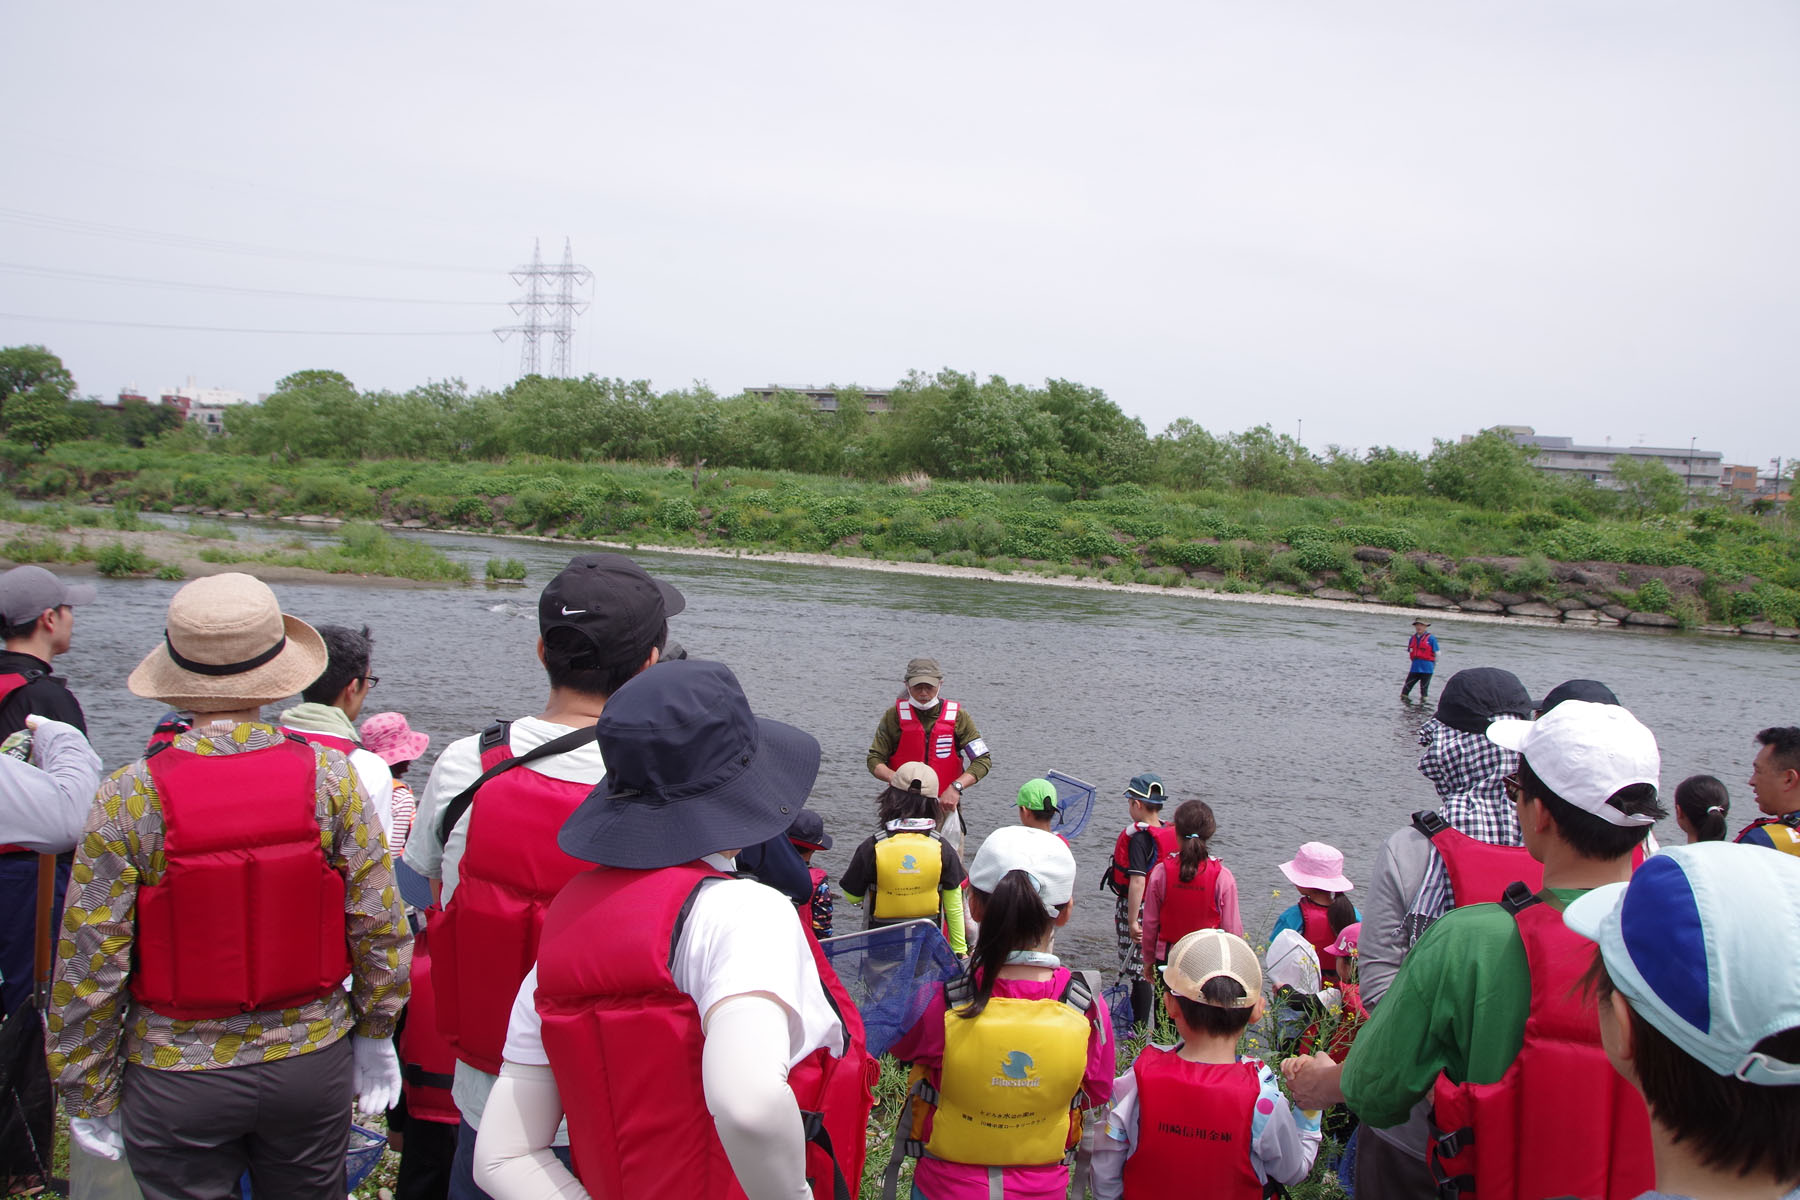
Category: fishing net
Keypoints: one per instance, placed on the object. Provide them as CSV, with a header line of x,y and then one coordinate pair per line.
x,y
891,973
1074,803
360,1157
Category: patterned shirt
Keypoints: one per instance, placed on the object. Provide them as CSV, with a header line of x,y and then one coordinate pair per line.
x,y
95,1025
1467,771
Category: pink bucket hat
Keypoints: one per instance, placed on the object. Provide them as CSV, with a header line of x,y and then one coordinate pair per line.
x,y
1318,866
391,739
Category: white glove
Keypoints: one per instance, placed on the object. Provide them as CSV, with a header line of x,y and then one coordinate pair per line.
x,y
103,1137
377,1071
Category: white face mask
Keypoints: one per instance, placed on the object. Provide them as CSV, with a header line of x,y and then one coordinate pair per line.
x,y
931,703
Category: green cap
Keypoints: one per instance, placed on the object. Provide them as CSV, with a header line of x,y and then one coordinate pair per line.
x,y
1038,795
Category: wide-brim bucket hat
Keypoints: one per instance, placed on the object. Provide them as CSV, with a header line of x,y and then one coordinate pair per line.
x,y
690,771
1318,866
226,645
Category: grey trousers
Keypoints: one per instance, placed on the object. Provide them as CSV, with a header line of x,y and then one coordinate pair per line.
x,y
189,1135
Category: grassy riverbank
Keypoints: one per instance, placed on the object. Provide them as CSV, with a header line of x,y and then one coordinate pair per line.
x,y
120,544
1710,566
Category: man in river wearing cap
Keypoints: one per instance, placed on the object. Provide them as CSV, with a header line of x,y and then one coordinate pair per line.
x,y
1422,650
922,726
227,884
37,618
1486,1015
682,1019
486,825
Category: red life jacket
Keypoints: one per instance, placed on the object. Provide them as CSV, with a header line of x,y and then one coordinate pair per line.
x,y
1480,872
1193,1124
1188,906
935,747
427,1061
1419,647
329,740
11,682
1116,876
1561,1121
1315,927
625,1045
510,870
248,915
172,726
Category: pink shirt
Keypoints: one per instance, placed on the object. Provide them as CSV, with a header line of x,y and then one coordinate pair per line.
x,y
1157,886
924,1044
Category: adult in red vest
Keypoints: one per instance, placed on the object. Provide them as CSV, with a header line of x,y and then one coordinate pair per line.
x,y
922,726
228,883
330,705
683,1020
487,821
1421,650
1486,1015
36,622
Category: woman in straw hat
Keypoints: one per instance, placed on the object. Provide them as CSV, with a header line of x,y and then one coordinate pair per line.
x,y
227,884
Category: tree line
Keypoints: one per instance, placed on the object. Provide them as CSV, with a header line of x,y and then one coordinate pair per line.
x,y
947,425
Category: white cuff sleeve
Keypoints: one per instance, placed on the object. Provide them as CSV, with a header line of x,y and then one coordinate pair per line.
x,y
513,1160
743,1068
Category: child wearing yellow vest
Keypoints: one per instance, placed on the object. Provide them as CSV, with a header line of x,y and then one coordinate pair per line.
x,y
907,870
1014,1049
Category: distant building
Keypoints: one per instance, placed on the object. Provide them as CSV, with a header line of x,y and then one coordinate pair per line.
x,y
203,406
825,399
1560,456
1737,482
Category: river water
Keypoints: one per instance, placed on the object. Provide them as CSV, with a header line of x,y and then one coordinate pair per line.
x,y
1286,720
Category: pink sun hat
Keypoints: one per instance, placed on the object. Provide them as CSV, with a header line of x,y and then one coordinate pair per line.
x,y
391,739
1318,866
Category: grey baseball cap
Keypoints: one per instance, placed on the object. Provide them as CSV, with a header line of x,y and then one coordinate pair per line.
x,y
25,592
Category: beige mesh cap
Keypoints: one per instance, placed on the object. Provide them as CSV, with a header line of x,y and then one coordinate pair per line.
x,y
917,773
1208,954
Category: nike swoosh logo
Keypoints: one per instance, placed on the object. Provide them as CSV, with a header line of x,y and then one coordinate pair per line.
x,y
569,612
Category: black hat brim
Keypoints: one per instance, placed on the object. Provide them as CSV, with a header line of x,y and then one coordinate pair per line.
x,y
643,833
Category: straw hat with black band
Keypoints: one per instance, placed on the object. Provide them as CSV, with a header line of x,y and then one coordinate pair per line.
x,y
226,646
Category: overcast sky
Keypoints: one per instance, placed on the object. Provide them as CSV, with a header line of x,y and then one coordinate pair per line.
x,y
1369,224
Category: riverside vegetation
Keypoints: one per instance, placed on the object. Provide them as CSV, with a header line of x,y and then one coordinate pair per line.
x,y
962,472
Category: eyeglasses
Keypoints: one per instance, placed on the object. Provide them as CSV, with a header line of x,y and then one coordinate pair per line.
x,y
370,681
1512,786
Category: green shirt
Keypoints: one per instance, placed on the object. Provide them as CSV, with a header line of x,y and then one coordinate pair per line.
x,y
1458,1006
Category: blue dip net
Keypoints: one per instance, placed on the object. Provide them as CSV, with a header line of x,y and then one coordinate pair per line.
x,y
1074,802
891,973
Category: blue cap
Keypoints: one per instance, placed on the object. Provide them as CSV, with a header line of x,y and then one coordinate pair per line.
x,y
1702,944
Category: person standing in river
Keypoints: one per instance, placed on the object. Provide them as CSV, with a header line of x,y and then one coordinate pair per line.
x,y
486,833
36,621
922,726
1422,649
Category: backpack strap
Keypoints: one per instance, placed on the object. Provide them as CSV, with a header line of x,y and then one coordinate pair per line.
x,y
1518,897
459,804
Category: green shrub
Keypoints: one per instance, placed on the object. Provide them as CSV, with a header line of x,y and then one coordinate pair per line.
x,y
1529,576
118,560
1653,596
32,548
505,568
171,572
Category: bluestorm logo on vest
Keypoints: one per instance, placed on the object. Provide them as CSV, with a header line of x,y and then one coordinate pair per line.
x,y
1018,1071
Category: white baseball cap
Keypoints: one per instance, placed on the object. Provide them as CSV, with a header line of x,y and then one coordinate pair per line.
x,y
1037,852
1586,752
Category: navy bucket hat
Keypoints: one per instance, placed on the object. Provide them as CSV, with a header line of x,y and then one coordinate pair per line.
x,y
690,771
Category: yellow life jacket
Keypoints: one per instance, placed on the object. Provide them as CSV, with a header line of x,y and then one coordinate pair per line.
x,y
908,866
1009,1093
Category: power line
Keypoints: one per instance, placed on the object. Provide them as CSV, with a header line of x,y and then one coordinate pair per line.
x,y
230,329
182,241
140,281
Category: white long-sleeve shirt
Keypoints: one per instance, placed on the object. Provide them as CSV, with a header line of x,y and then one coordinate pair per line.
x,y
44,803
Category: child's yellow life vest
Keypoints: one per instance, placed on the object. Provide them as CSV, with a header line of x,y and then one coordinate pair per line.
x,y
908,866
